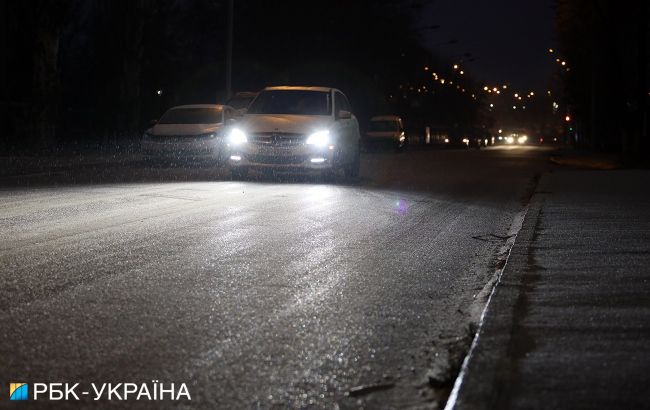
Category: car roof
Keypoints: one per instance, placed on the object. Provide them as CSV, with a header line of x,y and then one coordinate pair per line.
x,y
386,118
218,106
301,88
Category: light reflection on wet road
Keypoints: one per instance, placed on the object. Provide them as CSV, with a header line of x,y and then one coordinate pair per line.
x,y
255,293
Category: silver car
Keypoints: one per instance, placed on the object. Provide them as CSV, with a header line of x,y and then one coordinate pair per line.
x,y
296,129
194,131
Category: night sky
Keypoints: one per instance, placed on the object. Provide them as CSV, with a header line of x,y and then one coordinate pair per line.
x,y
508,39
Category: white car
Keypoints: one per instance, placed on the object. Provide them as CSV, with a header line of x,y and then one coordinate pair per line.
x,y
296,129
194,131
387,129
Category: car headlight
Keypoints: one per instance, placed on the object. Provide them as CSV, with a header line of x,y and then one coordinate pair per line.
x,y
237,137
320,138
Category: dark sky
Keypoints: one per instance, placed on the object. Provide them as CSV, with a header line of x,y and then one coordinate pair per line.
x,y
509,39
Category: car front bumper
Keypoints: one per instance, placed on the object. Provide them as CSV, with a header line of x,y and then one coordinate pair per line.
x,y
194,147
295,158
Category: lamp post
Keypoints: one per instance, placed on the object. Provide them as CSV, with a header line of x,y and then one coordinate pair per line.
x,y
231,13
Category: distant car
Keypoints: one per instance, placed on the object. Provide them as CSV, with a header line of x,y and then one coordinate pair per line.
x,y
195,131
240,101
296,129
387,129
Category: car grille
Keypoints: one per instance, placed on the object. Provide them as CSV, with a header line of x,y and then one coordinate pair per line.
x,y
276,139
277,159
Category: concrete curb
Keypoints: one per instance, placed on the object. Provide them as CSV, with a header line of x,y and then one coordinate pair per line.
x,y
586,163
488,365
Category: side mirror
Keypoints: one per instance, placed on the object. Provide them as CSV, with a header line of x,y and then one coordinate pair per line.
x,y
153,122
344,115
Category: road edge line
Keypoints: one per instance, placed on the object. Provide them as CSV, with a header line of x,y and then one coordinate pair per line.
x,y
517,224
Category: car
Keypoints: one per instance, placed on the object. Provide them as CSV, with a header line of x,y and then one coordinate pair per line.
x,y
189,131
240,101
387,129
296,129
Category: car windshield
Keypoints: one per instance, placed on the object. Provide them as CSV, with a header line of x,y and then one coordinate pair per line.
x,y
297,102
192,116
384,126
240,102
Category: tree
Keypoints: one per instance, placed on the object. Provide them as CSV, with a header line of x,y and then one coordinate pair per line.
x,y
48,20
605,43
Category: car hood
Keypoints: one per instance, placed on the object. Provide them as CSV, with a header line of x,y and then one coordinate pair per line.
x,y
184,129
299,124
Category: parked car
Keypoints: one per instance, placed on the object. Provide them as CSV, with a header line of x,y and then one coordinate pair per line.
x,y
388,129
195,131
240,101
296,129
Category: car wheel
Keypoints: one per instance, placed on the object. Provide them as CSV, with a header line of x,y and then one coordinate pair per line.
x,y
351,170
239,173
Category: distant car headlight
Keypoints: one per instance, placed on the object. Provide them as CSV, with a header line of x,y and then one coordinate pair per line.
x,y
237,137
319,138
522,139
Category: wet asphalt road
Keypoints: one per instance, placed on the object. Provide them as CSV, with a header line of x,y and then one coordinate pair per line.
x,y
261,293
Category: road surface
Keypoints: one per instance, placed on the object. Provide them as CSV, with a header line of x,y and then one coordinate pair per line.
x,y
260,293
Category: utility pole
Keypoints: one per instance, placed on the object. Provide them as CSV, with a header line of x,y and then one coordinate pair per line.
x,y
231,14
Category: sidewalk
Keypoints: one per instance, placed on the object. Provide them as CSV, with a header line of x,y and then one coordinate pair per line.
x,y
568,326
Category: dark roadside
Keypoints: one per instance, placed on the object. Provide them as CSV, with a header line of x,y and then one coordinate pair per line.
x,y
568,325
